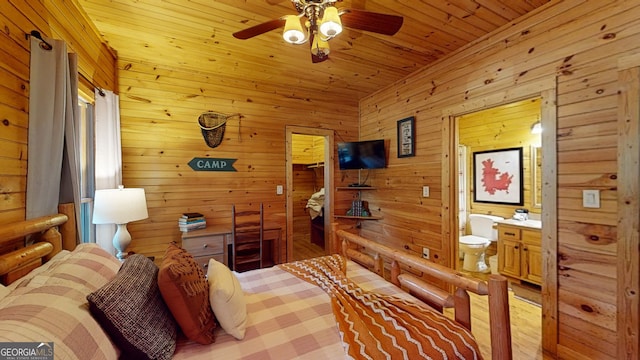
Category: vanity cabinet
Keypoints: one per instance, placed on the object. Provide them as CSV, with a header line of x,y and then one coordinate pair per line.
x,y
520,253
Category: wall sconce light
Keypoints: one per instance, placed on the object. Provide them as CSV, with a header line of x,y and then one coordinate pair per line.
x,y
536,128
120,206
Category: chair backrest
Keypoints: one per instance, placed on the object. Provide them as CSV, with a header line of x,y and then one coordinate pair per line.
x,y
247,232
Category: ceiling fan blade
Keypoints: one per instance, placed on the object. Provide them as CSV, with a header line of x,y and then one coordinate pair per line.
x,y
274,2
369,21
259,29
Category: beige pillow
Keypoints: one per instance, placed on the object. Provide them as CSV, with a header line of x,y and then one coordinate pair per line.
x,y
227,299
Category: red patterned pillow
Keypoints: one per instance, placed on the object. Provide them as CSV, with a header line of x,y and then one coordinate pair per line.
x,y
185,290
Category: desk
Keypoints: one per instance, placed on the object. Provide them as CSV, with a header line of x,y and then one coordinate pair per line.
x,y
215,241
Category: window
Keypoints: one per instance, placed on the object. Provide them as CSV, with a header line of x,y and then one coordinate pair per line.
x,y
87,169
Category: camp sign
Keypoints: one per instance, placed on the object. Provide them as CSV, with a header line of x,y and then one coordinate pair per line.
x,y
211,164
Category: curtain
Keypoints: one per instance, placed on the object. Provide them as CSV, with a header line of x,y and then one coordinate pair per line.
x,y
108,156
53,175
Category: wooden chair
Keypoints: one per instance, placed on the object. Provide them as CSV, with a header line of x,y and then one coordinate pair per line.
x,y
247,232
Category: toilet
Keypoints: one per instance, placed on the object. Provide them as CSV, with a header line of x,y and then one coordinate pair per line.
x,y
473,246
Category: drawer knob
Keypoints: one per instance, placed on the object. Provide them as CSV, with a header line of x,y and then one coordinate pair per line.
x,y
515,247
205,246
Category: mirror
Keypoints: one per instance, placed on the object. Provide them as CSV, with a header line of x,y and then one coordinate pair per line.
x,y
536,176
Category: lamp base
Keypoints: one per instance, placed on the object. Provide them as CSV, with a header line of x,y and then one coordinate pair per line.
x,y
121,240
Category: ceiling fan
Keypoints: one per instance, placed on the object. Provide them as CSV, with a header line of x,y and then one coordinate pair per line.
x,y
323,21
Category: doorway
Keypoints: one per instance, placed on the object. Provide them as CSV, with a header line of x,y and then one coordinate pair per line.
x,y
309,184
548,194
508,126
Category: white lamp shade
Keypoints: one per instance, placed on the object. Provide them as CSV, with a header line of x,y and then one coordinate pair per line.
x,y
119,206
293,32
331,24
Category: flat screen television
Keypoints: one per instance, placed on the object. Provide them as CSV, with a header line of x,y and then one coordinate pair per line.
x,y
369,154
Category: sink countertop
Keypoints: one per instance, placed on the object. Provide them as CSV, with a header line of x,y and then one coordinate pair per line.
x,y
534,224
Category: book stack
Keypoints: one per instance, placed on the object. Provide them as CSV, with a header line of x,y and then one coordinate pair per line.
x,y
356,207
191,221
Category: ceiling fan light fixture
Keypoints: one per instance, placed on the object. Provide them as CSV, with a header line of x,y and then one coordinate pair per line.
x,y
293,32
331,24
319,47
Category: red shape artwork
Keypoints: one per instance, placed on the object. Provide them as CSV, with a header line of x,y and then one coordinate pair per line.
x,y
493,179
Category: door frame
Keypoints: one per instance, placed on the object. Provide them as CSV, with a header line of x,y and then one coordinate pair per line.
x,y
546,90
329,151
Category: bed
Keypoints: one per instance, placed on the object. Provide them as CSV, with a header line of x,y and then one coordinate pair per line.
x,y
289,312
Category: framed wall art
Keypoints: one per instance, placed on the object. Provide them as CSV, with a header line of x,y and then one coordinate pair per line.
x,y
497,176
406,140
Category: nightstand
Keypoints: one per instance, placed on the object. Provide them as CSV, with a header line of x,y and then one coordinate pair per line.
x,y
207,243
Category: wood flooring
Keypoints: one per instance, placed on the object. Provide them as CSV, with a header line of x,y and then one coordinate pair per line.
x,y
303,248
526,324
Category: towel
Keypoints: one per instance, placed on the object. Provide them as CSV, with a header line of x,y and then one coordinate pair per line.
x,y
315,204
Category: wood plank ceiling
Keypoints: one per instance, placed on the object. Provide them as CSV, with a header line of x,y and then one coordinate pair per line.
x,y
197,36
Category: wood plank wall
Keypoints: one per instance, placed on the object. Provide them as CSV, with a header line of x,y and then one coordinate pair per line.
x,y
160,135
96,61
307,149
572,46
303,187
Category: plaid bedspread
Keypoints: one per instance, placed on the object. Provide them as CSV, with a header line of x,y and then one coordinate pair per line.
x,y
49,305
289,318
376,326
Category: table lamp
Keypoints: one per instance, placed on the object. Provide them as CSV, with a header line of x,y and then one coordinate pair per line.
x,y
119,206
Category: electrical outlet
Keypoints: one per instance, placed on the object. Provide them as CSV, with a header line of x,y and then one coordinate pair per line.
x,y
425,191
425,253
279,189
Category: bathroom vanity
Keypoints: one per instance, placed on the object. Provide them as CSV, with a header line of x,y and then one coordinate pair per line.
x,y
520,250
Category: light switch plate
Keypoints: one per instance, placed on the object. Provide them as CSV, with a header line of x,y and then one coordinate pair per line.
x,y
591,199
426,253
425,191
279,189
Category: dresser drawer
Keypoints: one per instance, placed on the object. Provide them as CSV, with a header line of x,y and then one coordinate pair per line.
x,y
204,245
509,233
204,260
532,236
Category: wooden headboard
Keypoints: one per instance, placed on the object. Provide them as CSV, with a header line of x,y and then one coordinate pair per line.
x,y
45,241
374,255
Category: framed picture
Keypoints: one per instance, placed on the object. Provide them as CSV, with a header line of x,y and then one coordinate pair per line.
x,y
406,140
497,176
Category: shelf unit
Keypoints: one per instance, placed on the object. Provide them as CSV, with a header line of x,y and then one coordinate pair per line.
x,y
359,189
